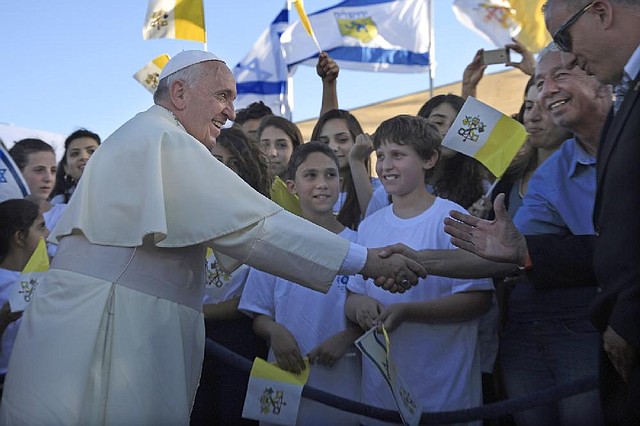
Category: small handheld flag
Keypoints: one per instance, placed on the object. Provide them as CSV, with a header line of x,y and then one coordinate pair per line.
x,y
37,265
273,395
305,22
376,346
149,74
485,134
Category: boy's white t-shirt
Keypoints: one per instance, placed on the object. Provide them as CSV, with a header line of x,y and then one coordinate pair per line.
x,y
310,316
439,362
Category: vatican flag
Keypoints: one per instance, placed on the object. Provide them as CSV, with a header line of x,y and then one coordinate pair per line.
x,y
148,75
182,19
273,395
485,134
35,268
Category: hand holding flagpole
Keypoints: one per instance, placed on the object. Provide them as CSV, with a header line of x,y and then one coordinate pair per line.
x,y
305,22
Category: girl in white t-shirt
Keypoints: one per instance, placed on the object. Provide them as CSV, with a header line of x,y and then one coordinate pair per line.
x,y
21,228
433,326
299,322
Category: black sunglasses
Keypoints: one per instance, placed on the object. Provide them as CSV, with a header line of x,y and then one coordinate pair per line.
x,y
562,38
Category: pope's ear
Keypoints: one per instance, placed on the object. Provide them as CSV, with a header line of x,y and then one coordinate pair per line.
x,y
177,93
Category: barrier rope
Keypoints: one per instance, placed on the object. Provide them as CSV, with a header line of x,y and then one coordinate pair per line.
x,y
489,411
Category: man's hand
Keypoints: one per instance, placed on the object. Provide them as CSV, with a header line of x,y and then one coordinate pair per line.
x,y
327,68
497,240
622,355
400,272
286,350
528,63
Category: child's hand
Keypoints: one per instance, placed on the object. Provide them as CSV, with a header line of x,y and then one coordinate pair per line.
x,y
286,350
367,312
327,68
6,316
361,149
331,350
393,316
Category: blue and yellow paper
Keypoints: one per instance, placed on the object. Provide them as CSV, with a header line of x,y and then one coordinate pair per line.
x,y
27,283
273,395
375,345
486,134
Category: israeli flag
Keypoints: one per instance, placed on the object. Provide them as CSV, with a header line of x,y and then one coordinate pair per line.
x,y
12,184
369,35
262,75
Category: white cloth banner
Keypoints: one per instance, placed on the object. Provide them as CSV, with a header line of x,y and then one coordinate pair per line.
x,y
369,35
262,74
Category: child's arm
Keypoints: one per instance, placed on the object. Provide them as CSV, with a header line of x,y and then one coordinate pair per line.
x,y
334,348
283,344
222,311
362,310
454,308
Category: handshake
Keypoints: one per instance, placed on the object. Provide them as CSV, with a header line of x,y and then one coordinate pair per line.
x,y
393,268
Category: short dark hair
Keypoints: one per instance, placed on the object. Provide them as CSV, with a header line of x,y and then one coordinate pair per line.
x,y
410,130
301,152
23,148
454,101
252,111
15,215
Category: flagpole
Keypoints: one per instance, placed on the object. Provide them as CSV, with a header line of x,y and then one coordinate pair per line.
x,y
431,48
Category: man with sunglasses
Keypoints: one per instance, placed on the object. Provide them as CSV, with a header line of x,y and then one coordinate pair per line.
x,y
603,38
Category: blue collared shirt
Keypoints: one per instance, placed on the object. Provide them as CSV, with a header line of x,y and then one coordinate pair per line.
x,y
561,194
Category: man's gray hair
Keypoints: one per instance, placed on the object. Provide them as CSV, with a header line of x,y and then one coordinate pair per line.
x,y
188,75
551,47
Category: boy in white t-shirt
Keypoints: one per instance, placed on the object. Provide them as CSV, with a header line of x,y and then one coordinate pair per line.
x,y
299,322
433,326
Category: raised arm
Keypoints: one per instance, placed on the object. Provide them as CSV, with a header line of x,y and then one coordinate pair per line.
x,y
328,71
361,150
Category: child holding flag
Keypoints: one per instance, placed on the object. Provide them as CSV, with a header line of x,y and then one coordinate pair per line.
x,y
21,229
433,327
300,322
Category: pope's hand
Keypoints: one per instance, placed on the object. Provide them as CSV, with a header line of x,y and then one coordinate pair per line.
x,y
400,273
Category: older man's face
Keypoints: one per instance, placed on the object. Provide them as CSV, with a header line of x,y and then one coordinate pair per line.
x,y
209,103
568,94
590,48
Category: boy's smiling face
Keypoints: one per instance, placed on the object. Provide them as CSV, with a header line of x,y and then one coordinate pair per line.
x,y
400,168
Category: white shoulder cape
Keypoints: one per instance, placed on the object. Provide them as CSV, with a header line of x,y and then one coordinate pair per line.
x,y
151,177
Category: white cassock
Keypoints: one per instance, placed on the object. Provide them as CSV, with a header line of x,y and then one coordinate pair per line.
x,y
115,334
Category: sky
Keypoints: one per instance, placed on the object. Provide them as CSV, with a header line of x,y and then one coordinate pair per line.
x,y
69,64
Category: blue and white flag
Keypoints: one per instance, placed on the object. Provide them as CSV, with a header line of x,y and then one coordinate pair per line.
x,y
368,35
262,75
12,184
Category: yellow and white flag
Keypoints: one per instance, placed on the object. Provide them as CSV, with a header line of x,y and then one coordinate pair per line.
x,y
501,20
375,345
273,395
182,19
148,75
35,268
485,134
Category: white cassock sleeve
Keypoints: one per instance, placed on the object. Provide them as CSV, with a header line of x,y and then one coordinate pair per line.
x,y
292,248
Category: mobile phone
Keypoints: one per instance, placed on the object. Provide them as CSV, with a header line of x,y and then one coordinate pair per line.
x,y
497,56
